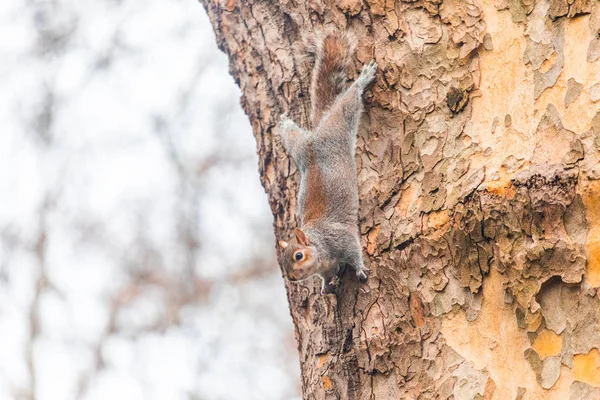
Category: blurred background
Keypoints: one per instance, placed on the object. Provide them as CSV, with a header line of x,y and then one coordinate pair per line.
x,y
137,258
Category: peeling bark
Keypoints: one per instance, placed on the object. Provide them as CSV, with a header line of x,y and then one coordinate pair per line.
x,y
478,163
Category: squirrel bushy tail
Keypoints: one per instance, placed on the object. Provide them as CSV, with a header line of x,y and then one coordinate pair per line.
x,y
332,52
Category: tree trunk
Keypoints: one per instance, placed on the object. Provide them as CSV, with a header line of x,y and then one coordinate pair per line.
x,y
478,165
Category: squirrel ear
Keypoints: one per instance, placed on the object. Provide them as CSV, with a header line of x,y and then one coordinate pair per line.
x,y
301,237
283,244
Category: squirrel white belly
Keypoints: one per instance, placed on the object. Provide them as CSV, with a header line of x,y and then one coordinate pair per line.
x,y
328,236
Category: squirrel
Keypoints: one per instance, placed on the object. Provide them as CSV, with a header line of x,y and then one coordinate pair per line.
x,y
328,237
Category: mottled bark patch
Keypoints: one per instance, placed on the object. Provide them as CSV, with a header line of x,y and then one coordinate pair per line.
x,y
478,193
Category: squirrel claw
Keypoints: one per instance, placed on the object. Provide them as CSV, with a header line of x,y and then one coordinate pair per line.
x,y
330,286
362,276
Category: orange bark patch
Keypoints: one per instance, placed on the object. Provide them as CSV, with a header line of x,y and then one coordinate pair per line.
x,y
372,240
436,219
593,249
591,200
229,5
490,388
547,344
502,188
416,310
322,359
327,385
587,367
408,198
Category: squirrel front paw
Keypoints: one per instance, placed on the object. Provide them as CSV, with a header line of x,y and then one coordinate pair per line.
x,y
367,75
362,275
287,124
283,119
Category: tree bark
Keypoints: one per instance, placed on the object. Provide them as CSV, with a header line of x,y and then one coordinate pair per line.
x,y
478,165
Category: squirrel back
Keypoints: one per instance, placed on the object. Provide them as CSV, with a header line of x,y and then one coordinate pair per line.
x,y
332,53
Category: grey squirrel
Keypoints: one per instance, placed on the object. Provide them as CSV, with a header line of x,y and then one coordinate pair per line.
x,y
328,236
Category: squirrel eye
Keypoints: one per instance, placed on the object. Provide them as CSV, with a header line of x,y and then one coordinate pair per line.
x,y
299,256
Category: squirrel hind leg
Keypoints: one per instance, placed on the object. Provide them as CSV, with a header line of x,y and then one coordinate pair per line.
x,y
367,75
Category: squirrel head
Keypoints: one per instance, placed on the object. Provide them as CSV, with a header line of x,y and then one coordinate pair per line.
x,y
299,257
